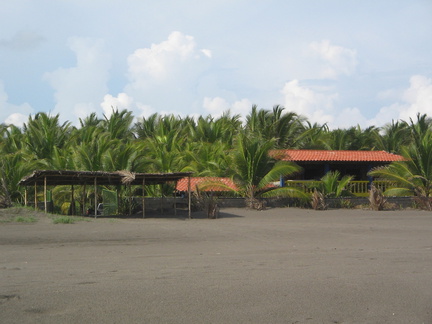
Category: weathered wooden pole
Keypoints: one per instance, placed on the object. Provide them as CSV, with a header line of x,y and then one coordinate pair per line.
x,y
143,197
35,195
45,195
95,193
189,196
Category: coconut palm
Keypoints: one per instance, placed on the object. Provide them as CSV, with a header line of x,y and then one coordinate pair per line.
x,y
254,171
393,136
414,175
43,133
119,124
206,159
332,186
284,128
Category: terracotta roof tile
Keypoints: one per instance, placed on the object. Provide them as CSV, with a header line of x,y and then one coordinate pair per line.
x,y
182,184
327,156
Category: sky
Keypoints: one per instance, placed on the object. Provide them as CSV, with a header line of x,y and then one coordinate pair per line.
x,y
340,62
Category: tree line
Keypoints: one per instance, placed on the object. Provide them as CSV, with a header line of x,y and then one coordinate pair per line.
x,y
207,146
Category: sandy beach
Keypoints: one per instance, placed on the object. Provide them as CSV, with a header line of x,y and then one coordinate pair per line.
x,y
281,265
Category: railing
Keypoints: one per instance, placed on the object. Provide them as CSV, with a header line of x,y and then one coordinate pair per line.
x,y
358,188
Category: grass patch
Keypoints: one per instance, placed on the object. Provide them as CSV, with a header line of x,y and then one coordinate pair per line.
x,y
63,220
25,219
69,219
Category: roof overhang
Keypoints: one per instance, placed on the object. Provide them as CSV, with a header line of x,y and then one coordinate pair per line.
x,y
67,177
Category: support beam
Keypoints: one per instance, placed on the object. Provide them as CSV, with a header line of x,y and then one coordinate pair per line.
x,y
189,196
45,195
84,199
35,195
95,198
72,207
175,199
25,196
143,197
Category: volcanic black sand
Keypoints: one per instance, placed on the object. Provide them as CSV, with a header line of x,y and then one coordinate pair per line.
x,y
283,265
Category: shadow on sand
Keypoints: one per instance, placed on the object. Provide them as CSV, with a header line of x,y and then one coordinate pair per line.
x,y
180,215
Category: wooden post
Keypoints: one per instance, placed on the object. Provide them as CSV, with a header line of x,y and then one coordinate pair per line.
x,y
35,195
95,193
143,197
84,199
25,196
175,199
45,195
189,196
72,207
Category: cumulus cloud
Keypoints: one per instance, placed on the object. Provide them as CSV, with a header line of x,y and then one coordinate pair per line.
x,y
318,107
167,75
80,89
124,101
336,60
217,106
20,113
417,98
165,60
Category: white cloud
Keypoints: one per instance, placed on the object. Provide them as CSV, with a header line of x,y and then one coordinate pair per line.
x,y
10,113
417,98
337,59
167,75
318,107
207,52
217,106
163,61
79,89
124,101
16,119
349,117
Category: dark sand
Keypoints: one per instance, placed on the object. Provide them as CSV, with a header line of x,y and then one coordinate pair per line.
x,y
274,266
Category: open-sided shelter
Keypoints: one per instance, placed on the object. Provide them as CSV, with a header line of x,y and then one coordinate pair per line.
x,y
47,178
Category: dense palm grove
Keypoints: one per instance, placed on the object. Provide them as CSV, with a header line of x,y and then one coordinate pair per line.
x,y
207,146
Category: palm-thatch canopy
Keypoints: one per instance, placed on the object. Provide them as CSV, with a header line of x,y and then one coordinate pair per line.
x,y
67,177
97,178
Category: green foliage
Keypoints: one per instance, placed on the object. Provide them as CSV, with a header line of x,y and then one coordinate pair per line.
x,y
414,175
331,186
206,145
63,220
25,219
254,171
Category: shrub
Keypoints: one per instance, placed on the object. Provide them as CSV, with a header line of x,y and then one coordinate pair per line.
x,y
376,198
318,201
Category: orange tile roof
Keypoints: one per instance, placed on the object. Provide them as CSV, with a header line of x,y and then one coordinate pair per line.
x,y
182,184
340,156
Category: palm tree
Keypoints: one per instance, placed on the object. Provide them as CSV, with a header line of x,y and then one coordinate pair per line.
x,y
393,136
206,159
254,170
331,186
284,128
414,175
119,124
43,133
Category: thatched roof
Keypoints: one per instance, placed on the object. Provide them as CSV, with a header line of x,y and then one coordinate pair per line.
x,y
68,177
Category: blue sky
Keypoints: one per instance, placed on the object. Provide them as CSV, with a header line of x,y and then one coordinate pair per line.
x,y
342,62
